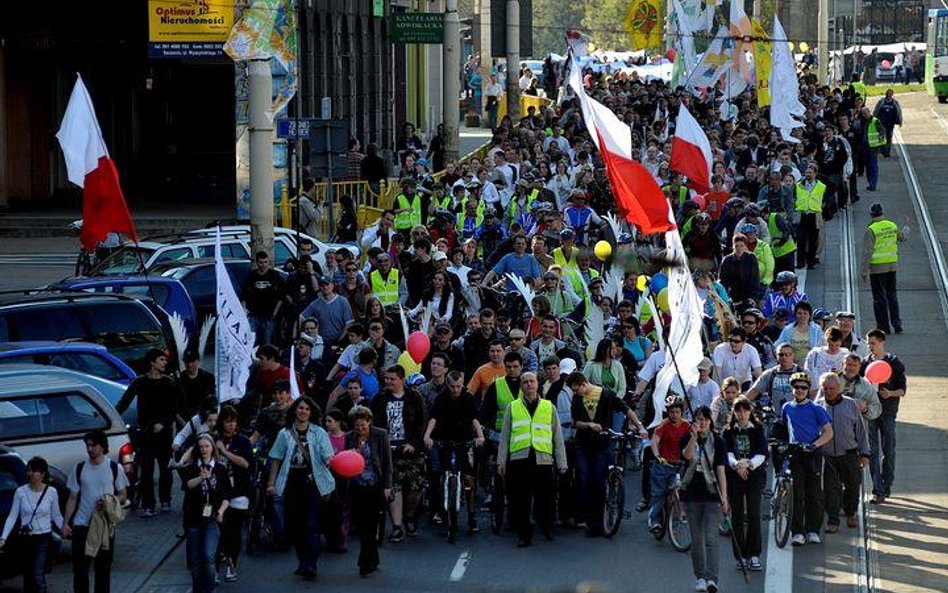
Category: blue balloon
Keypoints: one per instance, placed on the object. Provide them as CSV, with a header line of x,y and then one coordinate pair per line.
x,y
658,282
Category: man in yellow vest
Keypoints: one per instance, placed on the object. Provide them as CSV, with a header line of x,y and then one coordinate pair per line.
x,y
407,206
781,241
565,255
875,139
880,259
530,441
498,396
386,283
809,206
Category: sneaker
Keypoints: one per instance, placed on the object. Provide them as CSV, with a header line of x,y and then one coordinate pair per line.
x,y
411,529
397,535
148,513
832,528
754,564
851,522
166,507
798,539
712,586
741,564
230,574
472,525
701,585
655,528
642,506
813,538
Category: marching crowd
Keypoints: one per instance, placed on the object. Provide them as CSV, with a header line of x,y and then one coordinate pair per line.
x,y
537,340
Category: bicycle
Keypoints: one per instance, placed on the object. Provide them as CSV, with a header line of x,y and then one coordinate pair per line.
x,y
781,502
675,518
260,523
452,484
614,511
495,490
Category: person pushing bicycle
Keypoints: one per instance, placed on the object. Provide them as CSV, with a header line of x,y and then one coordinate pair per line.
x,y
666,447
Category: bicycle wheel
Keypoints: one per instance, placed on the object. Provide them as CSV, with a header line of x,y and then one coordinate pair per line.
x,y
660,533
615,505
679,531
451,516
782,512
497,506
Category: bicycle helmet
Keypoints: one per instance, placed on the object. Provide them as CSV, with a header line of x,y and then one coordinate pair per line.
x,y
786,277
800,377
755,312
416,379
751,210
624,238
749,227
821,314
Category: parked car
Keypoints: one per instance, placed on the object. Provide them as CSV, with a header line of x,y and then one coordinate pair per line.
x,y
199,278
12,476
84,357
235,244
128,326
46,412
883,73
168,293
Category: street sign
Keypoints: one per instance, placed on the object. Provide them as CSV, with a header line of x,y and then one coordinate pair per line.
x,y
292,128
418,27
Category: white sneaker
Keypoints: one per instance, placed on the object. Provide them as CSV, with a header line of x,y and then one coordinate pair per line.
x,y
701,585
754,563
712,586
798,539
813,538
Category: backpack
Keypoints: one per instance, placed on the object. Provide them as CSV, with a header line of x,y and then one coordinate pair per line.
x,y
79,467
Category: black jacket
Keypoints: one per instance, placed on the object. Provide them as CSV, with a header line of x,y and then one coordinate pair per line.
x,y
608,404
414,415
381,449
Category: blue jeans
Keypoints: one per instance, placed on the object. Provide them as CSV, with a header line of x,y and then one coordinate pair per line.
x,y
872,168
591,468
35,548
262,328
882,440
661,478
202,547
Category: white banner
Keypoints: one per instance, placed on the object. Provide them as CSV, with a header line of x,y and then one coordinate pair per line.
x,y
234,335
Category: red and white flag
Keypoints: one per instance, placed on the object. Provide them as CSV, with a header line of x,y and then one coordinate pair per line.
x,y
691,151
88,165
638,197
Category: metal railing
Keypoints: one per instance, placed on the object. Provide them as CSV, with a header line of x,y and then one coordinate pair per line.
x,y
369,202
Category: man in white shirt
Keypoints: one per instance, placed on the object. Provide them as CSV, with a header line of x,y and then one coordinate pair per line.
x,y
736,359
525,80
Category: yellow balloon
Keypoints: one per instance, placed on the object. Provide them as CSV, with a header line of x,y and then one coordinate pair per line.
x,y
641,282
411,367
603,250
804,46
663,300
790,43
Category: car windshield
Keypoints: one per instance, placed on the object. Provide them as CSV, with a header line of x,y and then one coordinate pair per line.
x,y
127,260
84,362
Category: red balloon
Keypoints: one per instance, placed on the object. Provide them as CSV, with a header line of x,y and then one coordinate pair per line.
x,y
418,346
347,464
670,54
886,64
878,372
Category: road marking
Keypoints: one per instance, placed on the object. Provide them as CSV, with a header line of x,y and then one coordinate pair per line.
x,y
779,575
460,567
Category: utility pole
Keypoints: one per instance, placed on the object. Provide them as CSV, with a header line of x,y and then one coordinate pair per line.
x,y
451,66
822,41
513,60
261,157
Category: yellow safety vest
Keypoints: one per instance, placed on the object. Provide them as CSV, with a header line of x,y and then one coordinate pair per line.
x,y
462,216
536,431
886,247
531,198
504,398
789,246
560,258
444,203
810,200
682,193
385,290
407,220
874,134
860,88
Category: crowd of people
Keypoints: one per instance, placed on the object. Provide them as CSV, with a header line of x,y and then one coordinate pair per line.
x,y
537,350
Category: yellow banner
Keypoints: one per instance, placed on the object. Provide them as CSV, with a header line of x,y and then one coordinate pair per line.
x,y
189,21
761,63
643,23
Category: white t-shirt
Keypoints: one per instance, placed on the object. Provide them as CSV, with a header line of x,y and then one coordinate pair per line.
x,y
96,483
702,394
739,366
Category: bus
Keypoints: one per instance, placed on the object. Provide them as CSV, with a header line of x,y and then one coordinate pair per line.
x,y
936,56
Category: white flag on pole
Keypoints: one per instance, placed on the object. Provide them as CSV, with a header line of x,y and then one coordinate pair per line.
x,y
786,110
294,384
234,336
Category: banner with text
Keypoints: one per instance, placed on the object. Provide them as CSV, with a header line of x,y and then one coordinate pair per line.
x,y
188,29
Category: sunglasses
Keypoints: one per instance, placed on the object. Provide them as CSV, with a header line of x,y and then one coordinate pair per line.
x,y
801,387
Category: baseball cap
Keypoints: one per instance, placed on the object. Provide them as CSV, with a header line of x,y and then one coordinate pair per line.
x,y
307,338
845,315
441,326
438,255
705,364
876,209
324,280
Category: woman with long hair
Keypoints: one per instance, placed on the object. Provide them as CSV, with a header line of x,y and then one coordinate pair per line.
x,y
236,454
348,223
437,301
36,507
207,494
722,404
561,183
299,472
803,334
605,369
746,475
705,493
370,491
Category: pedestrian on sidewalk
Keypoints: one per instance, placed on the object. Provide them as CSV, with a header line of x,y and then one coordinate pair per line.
x,y
236,454
889,113
207,493
880,259
157,397
36,508
90,481
882,430
370,491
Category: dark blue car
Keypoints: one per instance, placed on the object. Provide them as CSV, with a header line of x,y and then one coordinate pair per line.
x,y
85,357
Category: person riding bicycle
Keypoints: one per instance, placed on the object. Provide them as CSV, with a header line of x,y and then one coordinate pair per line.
x,y
270,421
809,426
592,409
786,296
453,420
666,447
772,388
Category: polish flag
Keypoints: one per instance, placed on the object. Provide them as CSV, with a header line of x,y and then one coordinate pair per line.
x,y
691,151
88,165
638,197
